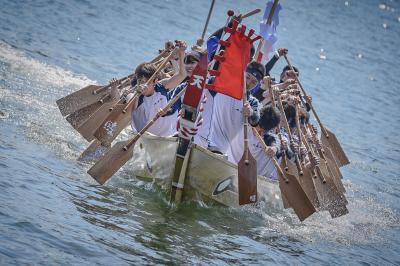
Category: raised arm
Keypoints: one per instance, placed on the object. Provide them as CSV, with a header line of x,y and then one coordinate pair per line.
x,y
175,80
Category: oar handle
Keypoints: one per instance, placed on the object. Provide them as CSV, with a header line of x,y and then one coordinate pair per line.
x,y
152,121
245,124
298,128
273,158
317,171
305,94
296,157
271,92
121,80
130,102
251,13
208,19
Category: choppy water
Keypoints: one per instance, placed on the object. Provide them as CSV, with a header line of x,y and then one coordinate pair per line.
x,y
51,212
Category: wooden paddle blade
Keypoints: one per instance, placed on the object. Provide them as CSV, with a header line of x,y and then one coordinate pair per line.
x,y
89,127
307,183
329,197
110,163
333,165
340,210
113,124
79,99
296,196
94,152
330,178
78,117
332,142
247,179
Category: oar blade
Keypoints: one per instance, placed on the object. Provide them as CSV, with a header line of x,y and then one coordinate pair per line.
x,y
89,127
337,194
296,196
307,183
332,142
113,124
111,162
247,179
79,99
93,153
330,198
78,117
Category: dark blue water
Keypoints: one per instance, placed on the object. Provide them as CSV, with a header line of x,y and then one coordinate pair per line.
x,y
52,213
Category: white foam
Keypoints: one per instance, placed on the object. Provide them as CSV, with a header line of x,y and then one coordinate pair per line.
x,y
39,71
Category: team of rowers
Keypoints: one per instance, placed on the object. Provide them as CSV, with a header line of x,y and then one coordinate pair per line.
x,y
221,128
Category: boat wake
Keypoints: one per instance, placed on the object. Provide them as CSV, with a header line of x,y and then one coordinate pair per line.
x,y
28,91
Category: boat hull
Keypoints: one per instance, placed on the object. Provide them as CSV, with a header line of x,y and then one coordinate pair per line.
x,y
208,176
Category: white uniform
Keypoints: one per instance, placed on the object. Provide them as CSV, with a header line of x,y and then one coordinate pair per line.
x,y
265,166
148,108
227,121
203,133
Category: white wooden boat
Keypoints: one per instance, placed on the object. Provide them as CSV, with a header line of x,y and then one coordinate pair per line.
x,y
208,176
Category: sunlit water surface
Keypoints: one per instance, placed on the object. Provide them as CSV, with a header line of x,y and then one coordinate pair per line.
x,y
53,213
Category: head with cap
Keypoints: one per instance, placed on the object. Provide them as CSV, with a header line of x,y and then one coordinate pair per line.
x,y
285,74
191,60
254,74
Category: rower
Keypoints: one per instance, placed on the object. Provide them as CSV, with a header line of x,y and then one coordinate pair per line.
x,y
156,95
269,120
227,117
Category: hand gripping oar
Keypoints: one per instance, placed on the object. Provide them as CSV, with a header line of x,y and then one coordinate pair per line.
x,y
269,21
122,151
296,157
247,166
119,117
291,189
327,136
329,198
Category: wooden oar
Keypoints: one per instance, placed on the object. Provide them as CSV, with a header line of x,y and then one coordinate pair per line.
x,y
291,189
267,82
247,166
327,137
122,151
269,21
200,42
84,97
120,115
251,13
306,180
327,164
93,152
286,124
294,195
181,163
329,197
79,117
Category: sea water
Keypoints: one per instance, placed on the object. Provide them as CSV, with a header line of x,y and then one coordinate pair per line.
x,y
53,213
